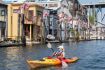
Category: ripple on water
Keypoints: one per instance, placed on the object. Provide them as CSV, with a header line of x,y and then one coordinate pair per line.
x,y
96,63
91,56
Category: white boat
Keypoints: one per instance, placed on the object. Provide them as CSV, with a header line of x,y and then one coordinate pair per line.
x,y
49,36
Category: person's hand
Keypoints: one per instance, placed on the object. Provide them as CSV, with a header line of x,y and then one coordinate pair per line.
x,y
54,54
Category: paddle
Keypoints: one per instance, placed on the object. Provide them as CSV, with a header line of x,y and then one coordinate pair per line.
x,y
50,46
64,64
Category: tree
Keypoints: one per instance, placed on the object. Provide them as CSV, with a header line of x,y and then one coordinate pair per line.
x,y
92,17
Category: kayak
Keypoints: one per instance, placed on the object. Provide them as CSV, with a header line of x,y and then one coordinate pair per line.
x,y
49,62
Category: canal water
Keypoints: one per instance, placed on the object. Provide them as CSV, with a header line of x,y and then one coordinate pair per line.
x,y
91,56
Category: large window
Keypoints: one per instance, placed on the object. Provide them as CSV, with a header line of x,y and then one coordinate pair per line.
x,y
30,14
2,32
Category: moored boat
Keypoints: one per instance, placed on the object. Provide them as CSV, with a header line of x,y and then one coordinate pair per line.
x,y
49,62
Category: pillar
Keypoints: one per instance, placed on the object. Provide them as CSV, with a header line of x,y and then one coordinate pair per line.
x,y
30,32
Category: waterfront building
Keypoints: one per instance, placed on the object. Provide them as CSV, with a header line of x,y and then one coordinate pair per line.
x,y
51,19
68,18
64,15
3,21
97,32
72,13
73,19
25,19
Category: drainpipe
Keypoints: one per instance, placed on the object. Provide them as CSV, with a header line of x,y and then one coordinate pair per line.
x,y
23,26
23,31
19,15
30,32
6,30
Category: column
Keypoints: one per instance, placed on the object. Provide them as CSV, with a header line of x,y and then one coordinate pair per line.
x,y
0,34
30,32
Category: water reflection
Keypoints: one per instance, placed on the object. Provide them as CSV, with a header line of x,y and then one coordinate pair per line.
x,y
51,68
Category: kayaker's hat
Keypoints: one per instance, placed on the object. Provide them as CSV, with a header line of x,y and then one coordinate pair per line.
x,y
61,47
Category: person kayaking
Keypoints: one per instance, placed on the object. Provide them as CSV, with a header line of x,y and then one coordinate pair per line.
x,y
60,54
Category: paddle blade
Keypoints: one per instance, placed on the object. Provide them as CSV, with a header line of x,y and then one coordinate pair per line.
x,y
49,45
64,64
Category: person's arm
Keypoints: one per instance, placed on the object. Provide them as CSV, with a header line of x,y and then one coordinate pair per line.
x,y
55,54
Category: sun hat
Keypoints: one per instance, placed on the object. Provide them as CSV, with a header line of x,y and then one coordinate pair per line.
x,y
60,47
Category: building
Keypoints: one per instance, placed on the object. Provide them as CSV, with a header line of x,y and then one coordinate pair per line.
x,y
67,18
3,21
51,23
49,4
73,17
51,18
25,19
69,12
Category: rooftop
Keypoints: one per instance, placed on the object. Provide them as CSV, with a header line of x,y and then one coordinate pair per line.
x,y
97,5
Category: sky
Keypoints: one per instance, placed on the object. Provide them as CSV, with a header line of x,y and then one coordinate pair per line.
x,y
89,1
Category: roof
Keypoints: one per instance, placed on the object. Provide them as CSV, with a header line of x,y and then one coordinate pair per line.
x,y
1,4
97,5
31,4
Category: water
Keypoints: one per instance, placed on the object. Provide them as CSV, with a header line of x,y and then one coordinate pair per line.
x,y
91,56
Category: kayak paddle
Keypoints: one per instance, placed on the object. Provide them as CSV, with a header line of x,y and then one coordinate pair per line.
x,y
64,64
50,46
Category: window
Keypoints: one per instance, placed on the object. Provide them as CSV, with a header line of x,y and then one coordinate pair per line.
x,y
39,12
2,12
2,32
30,14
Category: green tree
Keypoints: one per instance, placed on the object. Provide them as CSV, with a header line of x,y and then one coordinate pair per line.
x,y
92,17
